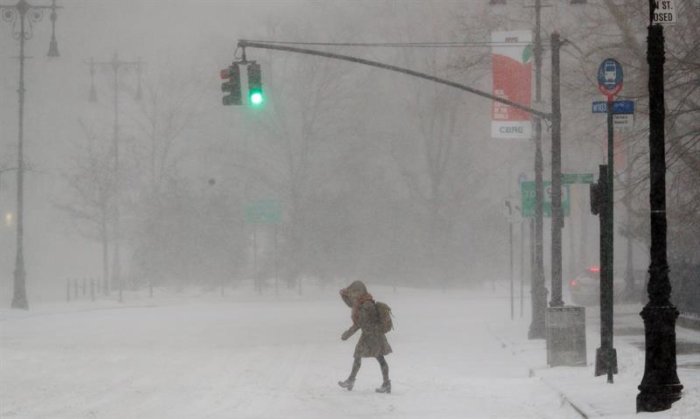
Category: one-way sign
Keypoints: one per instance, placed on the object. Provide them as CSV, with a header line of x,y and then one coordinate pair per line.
x,y
619,107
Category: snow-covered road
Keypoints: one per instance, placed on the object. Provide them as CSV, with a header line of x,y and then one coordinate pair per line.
x,y
237,358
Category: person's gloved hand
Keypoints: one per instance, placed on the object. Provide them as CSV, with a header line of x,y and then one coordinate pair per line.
x,y
346,335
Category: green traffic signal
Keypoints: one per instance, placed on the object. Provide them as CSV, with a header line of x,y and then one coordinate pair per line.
x,y
256,98
255,91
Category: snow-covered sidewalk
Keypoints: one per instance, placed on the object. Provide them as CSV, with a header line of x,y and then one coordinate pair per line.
x,y
593,396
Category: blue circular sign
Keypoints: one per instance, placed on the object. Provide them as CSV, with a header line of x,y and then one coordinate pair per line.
x,y
610,77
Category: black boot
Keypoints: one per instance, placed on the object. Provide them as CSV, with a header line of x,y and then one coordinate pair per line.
x,y
349,383
385,388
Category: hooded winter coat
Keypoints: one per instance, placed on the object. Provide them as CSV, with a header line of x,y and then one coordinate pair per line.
x,y
373,342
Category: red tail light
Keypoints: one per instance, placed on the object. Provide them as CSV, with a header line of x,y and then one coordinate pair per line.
x,y
594,269
573,283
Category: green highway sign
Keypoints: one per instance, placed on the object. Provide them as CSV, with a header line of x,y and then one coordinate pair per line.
x,y
571,178
527,190
264,211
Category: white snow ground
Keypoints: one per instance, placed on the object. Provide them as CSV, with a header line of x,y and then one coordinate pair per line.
x,y
264,357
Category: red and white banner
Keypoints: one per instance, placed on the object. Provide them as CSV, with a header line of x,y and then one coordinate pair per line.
x,y
512,79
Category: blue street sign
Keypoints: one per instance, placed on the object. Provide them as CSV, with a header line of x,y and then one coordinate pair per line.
x,y
619,107
610,77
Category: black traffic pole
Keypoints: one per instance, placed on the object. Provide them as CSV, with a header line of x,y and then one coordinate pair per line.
x,y
606,356
660,386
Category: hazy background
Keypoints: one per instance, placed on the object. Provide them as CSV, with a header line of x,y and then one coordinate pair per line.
x,y
379,175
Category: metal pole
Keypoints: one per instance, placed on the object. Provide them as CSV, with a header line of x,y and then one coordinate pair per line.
x,y
630,291
606,356
263,45
537,287
255,261
522,265
116,267
660,386
510,238
276,267
607,278
19,299
557,219
510,256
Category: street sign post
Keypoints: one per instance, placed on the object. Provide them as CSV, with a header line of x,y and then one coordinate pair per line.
x,y
610,84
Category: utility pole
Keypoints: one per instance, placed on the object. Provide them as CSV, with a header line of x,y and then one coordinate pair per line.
x,y
660,386
115,65
538,289
26,15
557,215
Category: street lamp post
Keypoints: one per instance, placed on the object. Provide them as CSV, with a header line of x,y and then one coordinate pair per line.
x,y
660,386
25,15
115,65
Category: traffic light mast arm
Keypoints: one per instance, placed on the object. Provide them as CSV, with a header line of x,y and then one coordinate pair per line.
x,y
262,45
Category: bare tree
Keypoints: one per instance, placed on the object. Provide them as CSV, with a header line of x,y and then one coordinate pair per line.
x,y
91,182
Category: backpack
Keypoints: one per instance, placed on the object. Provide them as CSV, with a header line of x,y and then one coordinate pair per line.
x,y
385,322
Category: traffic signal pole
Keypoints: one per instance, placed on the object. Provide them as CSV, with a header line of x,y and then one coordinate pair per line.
x,y
264,45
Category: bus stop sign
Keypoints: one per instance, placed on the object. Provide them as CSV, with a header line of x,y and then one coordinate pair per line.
x,y
610,77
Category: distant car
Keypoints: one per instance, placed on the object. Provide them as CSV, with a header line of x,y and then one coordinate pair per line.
x,y
584,289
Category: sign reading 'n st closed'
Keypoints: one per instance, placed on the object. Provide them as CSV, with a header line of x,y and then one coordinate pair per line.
x,y
512,80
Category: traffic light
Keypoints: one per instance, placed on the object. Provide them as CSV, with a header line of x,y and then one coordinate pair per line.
x,y
599,194
255,91
232,86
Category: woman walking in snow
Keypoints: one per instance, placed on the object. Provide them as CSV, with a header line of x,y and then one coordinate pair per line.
x,y
372,343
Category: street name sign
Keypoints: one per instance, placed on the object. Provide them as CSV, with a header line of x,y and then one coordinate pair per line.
x,y
619,106
527,191
264,211
572,178
664,13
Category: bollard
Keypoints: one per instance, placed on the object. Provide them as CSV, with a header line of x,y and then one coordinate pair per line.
x,y
92,289
68,290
